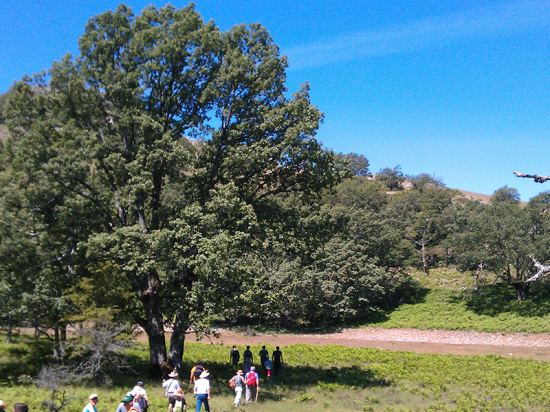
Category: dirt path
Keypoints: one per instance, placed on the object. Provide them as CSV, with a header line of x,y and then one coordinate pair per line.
x,y
536,346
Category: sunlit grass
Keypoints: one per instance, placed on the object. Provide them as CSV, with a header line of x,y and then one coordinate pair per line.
x,y
337,378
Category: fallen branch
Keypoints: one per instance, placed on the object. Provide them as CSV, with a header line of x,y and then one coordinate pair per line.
x,y
537,178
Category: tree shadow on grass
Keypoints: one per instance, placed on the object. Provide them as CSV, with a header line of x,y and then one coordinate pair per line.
x,y
409,291
492,300
24,357
299,378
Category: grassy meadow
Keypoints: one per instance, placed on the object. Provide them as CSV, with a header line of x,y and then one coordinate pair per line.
x,y
446,300
315,378
338,378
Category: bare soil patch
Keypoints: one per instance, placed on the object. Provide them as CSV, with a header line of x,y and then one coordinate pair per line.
x,y
536,346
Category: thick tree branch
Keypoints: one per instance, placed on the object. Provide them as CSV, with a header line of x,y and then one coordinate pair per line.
x,y
542,271
537,178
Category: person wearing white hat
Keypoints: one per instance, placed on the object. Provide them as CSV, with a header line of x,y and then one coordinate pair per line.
x,y
202,391
171,385
2,406
237,383
90,407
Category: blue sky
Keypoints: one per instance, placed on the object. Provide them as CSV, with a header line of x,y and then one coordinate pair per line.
x,y
460,89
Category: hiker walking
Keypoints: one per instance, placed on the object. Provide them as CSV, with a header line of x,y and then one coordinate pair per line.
x,y
234,356
90,407
179,402
140,396
277,359
237,383
171,385
128,403
202,391
268,364
248,357
196,372
264,355
252,382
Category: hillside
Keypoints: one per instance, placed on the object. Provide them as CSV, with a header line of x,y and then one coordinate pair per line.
x,y
470,195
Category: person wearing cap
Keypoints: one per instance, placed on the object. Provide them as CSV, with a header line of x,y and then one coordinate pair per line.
x,y
90,407
252,381
122,408
128,403
171,385
179,403
239,382
140,397
2,406
202,391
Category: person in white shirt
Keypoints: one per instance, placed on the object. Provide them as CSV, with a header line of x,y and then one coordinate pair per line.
x,y
202,391
90,407
141,397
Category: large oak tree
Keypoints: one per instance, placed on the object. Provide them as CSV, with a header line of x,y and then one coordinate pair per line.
x,y
112,126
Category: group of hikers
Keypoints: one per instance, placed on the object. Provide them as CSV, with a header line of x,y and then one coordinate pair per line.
x,y
251,379
248,379
136,400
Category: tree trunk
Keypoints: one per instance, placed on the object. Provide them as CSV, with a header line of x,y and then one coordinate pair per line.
x,y
154,327
177,341
521,290
57,354
64,333
8,334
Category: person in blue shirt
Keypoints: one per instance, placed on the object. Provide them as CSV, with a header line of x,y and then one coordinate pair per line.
x,y
171,385
252,381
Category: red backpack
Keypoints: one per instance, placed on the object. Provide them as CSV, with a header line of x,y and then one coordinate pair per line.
x,y
251,380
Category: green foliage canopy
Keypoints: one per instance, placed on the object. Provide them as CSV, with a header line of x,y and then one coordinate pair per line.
x,y
105,133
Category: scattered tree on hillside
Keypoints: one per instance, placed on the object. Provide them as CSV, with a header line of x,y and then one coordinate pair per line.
x,y
358,164
505,194
419,182
392,178
502,238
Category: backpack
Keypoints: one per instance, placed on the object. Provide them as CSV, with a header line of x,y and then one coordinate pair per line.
x,y
178,406
232,383
142,403
198,370
251,380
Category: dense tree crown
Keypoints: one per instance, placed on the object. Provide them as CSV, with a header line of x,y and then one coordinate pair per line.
x,y
100,150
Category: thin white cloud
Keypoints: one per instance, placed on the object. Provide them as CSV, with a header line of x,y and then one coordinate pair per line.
x,y
507,17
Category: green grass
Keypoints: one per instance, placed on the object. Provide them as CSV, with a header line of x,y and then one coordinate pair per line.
x,y
452,304
337,378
